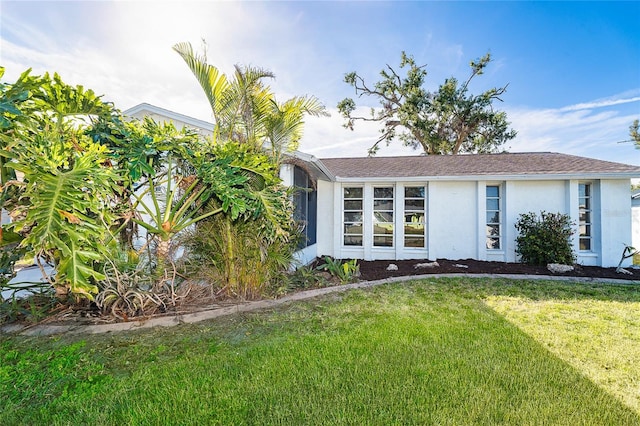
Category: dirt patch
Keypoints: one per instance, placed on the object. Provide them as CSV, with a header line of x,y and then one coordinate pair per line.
x,y
379,269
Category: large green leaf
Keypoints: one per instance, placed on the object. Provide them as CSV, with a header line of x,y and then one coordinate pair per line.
x,y
66,218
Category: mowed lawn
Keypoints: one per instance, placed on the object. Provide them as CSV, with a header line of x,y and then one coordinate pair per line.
x,y
438,351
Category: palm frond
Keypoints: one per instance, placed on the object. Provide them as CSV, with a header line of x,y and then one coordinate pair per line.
x,y
212,81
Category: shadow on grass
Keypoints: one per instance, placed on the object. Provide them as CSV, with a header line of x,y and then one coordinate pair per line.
x,y
535,289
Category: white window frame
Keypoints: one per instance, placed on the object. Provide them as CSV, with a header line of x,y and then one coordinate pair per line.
x,y
490,224
414,210
588,210
345,211
375,210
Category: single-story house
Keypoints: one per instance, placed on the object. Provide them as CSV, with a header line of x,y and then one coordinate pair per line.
x,y
455,207
459,207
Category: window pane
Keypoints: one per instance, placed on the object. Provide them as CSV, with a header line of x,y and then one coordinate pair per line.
x,y
414,217
382,217
352,192
383,241
493,230
353,228
300,178
585,244
493,191
584,190
585,217
493,243
414,192
353,204
414,242
383,228
414,229
352,240
493,217
414,204
584,203
493,204
585,230
383,204
353,217
383,192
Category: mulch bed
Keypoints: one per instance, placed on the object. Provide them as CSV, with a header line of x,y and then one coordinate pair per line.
x,y
376,270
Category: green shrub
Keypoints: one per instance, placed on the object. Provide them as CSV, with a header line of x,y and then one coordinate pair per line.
x,y
346,271
236,259
305,277
545,239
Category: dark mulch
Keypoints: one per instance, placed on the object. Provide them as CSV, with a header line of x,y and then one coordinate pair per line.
x,y
375,270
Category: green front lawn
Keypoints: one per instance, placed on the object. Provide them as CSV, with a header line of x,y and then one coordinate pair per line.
x,y
436,351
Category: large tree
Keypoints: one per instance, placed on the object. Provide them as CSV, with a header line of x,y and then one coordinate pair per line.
x,y
447,121
634,133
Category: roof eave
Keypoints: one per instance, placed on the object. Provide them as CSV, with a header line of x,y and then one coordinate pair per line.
x,y
316,163
169,114
482,177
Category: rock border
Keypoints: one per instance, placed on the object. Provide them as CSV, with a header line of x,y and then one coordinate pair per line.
x,y
206,314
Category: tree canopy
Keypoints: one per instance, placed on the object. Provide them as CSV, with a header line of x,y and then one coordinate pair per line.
x,y
447,121
635,133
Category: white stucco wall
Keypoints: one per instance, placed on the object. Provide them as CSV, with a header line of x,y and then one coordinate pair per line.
x,y
325,234
530,196
452,220
616,224
456,215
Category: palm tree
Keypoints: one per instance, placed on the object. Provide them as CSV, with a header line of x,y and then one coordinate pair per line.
x,y
245,110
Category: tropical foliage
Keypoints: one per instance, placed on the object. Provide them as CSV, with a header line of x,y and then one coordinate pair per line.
x,y
245,109
256,130
60,205
104,202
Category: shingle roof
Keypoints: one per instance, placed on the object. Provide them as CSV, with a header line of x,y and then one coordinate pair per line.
x,y
504,164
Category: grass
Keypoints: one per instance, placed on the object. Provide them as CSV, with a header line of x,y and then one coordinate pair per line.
x,y
437,351
600,338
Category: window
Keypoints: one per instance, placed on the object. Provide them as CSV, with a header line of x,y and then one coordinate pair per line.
x,y
305,201
383,216
585,204
414,216
493,217
352,219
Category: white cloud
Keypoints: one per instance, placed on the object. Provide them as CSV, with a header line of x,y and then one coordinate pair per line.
x,y
599,104
568,130
123,50
590,129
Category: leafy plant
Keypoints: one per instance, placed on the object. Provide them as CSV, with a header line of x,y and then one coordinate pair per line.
x,y
66,216
235,259
346,272
627,252
66,186
545,239
128,293
245,109
305,277
177,210
30,302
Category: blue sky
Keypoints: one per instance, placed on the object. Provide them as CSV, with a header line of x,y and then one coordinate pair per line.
x,y
573,68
